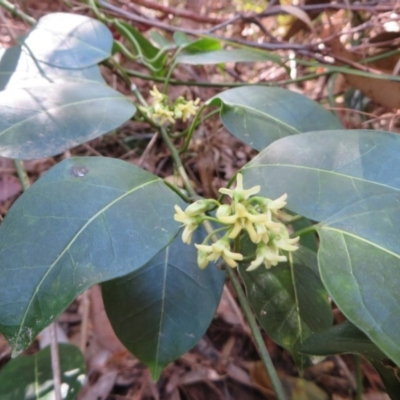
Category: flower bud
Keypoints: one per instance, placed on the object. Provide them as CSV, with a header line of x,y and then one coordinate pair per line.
x,y
224,211
198,207
202,261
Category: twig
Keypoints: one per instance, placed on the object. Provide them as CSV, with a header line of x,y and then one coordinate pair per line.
x,y
55,362
17,12
201,32
262,349
22,175
85,320
225,84
373,7
176,11
147,149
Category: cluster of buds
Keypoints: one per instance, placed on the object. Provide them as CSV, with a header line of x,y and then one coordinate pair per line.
x,y
261,218
163,113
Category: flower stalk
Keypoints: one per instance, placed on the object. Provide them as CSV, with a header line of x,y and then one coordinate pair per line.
x,y
192,216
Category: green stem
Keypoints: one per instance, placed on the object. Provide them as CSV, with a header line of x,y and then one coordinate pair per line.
x,y
99,15
262,349
117,67
139,96
22,175
236,284
174,152
212,233
230,183
304,231
191,130
223,84
177,191
17,12
178,163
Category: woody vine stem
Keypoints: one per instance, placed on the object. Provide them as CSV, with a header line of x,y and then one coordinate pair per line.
x,y
261,347
259,340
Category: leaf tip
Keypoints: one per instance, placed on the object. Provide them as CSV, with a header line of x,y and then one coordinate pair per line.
x,y
155,371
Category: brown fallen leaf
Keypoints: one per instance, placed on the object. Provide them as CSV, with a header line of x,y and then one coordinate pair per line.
x,y
101,325
300,23
382,91
9,187
296,388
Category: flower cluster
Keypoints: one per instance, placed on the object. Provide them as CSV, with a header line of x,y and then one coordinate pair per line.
x,y
163,113
259,217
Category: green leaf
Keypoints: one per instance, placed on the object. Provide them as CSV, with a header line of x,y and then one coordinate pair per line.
x,y
141,46
259,115
346,338
19,70
161,41
86,221
349,181
161,311
42,121
289,301
208,57
69,41
181,39
200,46
31,377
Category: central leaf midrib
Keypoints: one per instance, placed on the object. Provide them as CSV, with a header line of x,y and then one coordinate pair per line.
x,y
71,242
162,307
296,302
357,237
265,115
324,171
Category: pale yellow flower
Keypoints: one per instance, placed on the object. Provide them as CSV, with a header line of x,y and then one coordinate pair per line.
x,y
157,96
221,248
198,207
239,193
242,219
275,208
202,261
284,242
267,255
224,210
185,109
189,222
163,115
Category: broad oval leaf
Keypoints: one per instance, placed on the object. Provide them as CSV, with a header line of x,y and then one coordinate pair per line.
x,y
31,377
86,221
259,115
69,41
346,338
289,301
42,121
349,181
19,70
161,311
